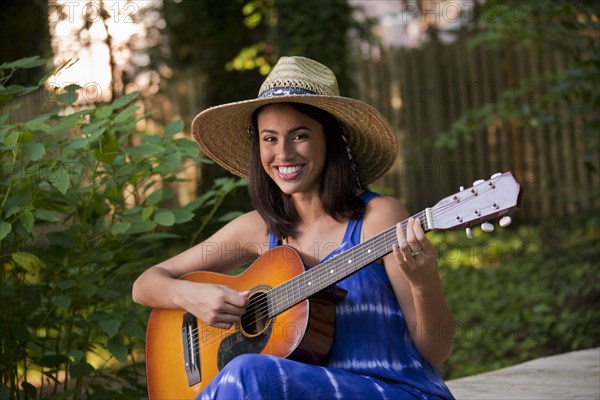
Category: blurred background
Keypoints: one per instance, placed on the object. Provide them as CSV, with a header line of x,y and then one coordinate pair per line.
x,y
100,178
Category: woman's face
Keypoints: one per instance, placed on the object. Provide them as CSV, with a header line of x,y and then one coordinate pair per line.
x,y
292,148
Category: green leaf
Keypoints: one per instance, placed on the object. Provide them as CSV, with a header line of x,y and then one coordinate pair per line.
x,y
155,197
5,229
76,355
26,260
142,226
108,294
146,149
65,285
77,144
165,218
70,96
103,112
81,369
12,211
118,349
147,213
120,227
124,100
35,151
126,114
45,215
62,301
182,216
110,326
26,62
173,128
12,139
59,178
27,220
87,289
66,239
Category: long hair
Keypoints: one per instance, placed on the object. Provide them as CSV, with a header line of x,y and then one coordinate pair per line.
x,y
337,189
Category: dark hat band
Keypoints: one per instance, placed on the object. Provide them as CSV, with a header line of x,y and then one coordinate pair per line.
x,y
284,91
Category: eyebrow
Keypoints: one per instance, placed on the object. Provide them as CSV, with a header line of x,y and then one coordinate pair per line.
x,y
290,132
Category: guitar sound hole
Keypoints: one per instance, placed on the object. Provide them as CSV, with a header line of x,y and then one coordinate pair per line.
x,y
256,319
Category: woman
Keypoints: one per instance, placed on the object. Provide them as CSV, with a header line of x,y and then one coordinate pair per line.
x,y
308,155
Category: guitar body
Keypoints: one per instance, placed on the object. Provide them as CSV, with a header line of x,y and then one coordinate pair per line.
x,y
303,332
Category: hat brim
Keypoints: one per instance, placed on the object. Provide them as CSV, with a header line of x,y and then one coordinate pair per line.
x,y
221,132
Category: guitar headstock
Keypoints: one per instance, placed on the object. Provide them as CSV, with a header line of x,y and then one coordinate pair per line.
x,y
483,201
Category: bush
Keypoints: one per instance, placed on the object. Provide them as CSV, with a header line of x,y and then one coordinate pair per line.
x,y
520,295
82,211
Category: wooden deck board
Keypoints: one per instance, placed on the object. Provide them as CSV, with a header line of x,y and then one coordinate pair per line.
x,y
574,375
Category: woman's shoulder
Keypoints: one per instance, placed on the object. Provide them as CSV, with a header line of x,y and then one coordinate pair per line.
x,y
244,230
250,222
381,213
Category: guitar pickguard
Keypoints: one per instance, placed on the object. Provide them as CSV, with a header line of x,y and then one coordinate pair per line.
x,y
237,343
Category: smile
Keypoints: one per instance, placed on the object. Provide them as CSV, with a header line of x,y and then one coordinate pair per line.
x,y
288,173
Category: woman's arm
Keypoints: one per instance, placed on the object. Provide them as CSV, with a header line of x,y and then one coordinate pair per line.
x,y
232,246
415,280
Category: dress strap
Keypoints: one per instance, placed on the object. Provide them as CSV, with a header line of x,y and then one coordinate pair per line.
x,y
273,241
354,231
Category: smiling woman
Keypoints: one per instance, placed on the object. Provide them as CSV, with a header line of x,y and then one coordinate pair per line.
x,y
309,155
292,148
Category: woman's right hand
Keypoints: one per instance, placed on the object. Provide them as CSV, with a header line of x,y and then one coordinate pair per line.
x,y
216,305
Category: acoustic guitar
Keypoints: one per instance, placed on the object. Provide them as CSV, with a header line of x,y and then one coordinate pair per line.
x,y
291,310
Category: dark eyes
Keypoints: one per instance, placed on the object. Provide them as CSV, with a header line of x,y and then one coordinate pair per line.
x,y
296,137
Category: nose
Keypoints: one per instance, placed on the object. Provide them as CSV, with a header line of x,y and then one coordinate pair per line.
x,y
285,150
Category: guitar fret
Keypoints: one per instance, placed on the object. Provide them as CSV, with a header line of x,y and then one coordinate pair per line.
x,y
335,269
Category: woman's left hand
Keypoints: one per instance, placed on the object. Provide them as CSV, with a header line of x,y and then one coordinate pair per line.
x,y
415,254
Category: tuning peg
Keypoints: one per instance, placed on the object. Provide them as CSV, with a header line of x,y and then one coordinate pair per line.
x,y
497,174
469,233
505,221
487,227
478,181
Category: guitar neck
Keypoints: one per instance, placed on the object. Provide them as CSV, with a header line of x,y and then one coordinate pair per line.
x,y
335,269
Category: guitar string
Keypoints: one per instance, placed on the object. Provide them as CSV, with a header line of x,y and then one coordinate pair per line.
x,y
319,275
263,308
299,291
275,295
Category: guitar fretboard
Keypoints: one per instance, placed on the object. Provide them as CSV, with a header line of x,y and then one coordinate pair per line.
x,y
335,269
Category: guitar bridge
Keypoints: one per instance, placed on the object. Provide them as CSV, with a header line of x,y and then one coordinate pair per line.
x,y
191,349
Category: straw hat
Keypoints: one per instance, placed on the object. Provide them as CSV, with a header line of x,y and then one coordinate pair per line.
x,y
221,131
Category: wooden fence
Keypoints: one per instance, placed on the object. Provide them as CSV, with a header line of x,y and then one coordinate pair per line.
x,y
422,91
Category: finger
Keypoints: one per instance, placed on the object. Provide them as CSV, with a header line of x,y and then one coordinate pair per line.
x,y
400,234
222,325
411,237
420,237
407,252
232,310
239,299
398,255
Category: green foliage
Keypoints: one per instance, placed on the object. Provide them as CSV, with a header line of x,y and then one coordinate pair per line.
x,y
554,100
311,28
82,212
519,296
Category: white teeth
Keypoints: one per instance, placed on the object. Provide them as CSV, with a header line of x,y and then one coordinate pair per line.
x,y
289,170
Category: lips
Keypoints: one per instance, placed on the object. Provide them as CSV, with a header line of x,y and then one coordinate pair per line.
x,y
289,172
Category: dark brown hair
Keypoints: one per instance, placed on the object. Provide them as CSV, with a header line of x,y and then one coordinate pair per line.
x,y
337,190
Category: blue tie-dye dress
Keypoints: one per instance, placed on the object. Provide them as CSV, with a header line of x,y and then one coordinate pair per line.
x,y
373,356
